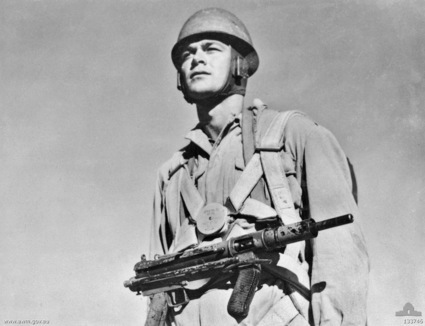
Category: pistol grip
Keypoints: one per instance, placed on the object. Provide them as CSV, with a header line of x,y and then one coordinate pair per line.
x,y
243,292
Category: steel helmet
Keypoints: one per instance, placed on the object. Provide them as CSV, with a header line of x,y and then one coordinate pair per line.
x,y
219,24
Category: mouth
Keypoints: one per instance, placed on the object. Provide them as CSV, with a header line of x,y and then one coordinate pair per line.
x,y
198,73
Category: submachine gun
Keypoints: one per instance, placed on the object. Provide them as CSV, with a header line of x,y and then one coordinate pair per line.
x,y
173,273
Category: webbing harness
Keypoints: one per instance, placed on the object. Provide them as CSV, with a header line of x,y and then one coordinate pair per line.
x,y
269,144
262,148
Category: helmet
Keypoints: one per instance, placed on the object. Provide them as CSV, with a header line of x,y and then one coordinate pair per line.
x,y
218,24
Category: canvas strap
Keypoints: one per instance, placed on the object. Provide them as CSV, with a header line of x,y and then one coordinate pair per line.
x,y
270,145
249,130
265,161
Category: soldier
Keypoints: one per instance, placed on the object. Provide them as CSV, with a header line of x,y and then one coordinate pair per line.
x,y
214,56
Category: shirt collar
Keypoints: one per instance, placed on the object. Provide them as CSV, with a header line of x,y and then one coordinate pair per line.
x,y
199,138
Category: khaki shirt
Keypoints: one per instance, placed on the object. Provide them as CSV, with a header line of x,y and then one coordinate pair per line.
x,y
339,262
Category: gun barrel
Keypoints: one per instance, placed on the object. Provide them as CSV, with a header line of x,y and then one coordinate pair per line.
x,y
333,222
286,234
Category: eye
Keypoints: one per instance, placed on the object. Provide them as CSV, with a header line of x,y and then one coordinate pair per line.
x,y
213,48
185,55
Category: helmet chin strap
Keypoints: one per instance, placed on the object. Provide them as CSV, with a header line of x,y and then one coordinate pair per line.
x,y
235,84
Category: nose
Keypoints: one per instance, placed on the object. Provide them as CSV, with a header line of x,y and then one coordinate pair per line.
x,y
198,57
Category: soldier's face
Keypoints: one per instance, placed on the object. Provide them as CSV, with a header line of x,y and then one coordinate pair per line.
x,y
205,67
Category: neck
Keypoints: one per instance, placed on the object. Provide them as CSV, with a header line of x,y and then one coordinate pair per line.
x,y
215,116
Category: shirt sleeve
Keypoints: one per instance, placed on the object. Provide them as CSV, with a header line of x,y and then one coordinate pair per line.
x,y
340,264
158,234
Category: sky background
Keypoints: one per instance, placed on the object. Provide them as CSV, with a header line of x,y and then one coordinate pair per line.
x,y
89,110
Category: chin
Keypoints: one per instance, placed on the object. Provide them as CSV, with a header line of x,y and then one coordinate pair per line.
x,y
201,95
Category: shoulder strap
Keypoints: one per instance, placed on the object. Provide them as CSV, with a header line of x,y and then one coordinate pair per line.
x,y
249,126
269,143
250,129
271,128
262,129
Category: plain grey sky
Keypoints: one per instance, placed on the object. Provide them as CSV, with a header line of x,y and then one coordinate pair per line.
x,y
89,110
